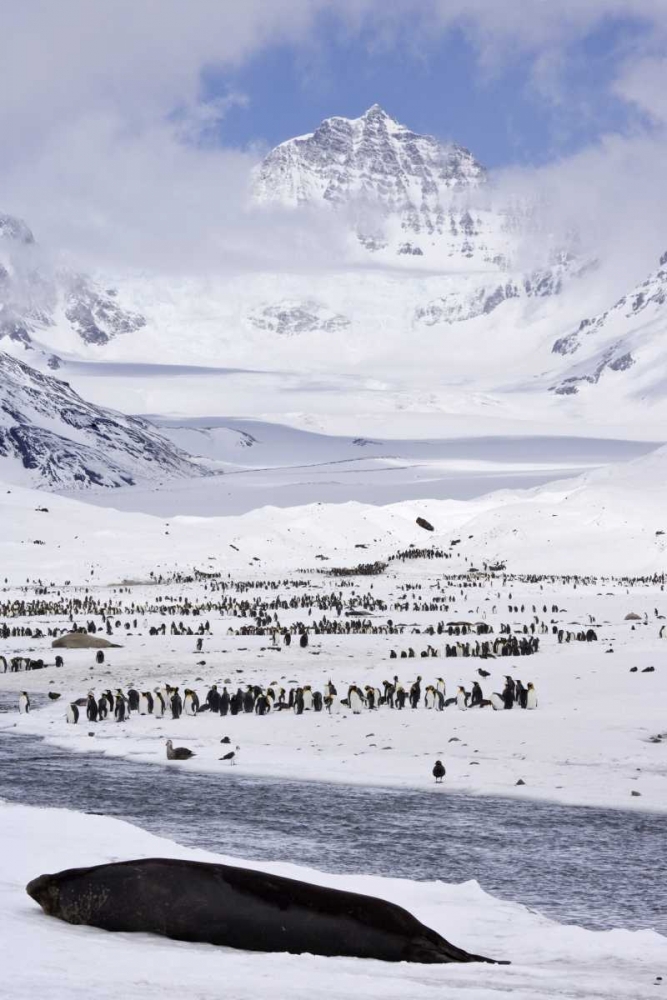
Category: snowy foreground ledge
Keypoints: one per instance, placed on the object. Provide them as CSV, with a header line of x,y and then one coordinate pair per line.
x,y
43,957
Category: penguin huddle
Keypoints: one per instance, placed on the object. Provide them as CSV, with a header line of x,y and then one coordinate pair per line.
x,y
167,701
514,693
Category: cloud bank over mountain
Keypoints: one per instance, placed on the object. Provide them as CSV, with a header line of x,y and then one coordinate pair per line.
x,y
114,149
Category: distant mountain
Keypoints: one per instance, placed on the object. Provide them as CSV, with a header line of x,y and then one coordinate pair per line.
x,y
631,332
36,295
50,437
436,281
404,193
373,157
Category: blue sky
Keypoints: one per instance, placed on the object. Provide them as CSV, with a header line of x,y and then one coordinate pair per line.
x,y
505,117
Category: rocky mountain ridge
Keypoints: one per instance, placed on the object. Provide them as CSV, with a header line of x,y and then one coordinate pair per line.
x,y
50,437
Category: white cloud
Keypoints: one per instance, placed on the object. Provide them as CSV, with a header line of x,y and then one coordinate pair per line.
x,y
644,83
107,143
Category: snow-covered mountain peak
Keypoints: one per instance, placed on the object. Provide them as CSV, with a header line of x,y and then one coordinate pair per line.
x,y
372,157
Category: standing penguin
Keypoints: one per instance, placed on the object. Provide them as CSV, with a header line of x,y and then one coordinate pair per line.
x,y
531,696
213,699
415,693
24,703
92,710
429,697
190,702
303,640
520,694
159,705
133,700
439,772
307,698
72,715
99,656
355,700
146,703
102,708
176,704
511,684
224,701
461,699
508,693
120,708
476,696
332,704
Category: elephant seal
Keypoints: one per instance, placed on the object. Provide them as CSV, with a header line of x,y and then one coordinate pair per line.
x,y
82,640
239,908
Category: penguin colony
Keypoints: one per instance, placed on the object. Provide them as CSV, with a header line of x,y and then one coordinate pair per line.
x,y
262,604
472,615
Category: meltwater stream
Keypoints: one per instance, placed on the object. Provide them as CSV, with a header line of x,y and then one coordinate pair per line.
x,y
598,868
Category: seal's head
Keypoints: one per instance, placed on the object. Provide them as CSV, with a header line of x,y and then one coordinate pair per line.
x,y
45,890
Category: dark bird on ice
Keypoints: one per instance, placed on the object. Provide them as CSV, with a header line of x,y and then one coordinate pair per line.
x,y
439,772
178,753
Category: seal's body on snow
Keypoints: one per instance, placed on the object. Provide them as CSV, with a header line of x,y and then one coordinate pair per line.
x,y
239,908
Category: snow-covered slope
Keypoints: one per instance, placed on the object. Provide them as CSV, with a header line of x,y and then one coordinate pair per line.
x,y
606,521
51,437
37,295
631,332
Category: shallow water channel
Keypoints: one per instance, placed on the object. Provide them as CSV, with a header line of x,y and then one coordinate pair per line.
x,y
599,868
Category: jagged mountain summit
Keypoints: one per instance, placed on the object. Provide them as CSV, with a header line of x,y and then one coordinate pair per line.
x,y
395,185
37,296
50,437
373,157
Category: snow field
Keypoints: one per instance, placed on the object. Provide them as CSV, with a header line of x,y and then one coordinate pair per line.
x,y
548,959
